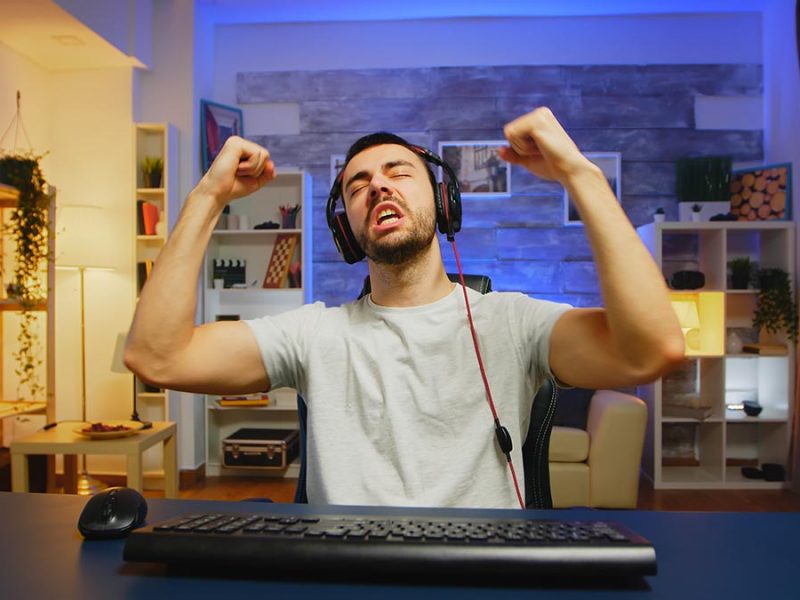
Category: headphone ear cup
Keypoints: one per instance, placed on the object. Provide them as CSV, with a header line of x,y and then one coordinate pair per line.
x,y
454,200
345,240
440,196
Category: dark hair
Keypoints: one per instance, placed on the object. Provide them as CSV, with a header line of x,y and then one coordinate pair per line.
x,y
381,138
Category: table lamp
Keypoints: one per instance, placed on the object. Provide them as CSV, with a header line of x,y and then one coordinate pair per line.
x,y
118,366
76,251
686,310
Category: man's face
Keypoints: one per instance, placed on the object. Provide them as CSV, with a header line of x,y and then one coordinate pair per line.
x,y
389,202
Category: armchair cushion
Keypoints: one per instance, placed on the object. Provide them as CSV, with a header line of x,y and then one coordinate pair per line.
x,y
568,444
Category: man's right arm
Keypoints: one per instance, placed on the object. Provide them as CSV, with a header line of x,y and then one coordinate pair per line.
x,y
164,346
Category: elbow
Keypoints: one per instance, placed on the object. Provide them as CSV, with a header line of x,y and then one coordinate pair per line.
x,y
672,352
668,354
143,366
661,358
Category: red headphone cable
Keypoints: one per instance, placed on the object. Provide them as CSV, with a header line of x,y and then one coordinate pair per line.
x,y
503,437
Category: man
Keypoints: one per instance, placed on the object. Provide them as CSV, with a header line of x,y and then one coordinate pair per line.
x,y
397,412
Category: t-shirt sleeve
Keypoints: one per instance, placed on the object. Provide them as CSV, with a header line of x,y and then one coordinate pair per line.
x,y
536,319
282,341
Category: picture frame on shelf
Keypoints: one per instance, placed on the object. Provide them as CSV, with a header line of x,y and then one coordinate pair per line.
x,y
610,163
479,169
762,193
218,122
337,164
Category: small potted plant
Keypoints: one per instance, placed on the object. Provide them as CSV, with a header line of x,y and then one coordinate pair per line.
x,y
741,272
776,310
696,212
152,170
659,216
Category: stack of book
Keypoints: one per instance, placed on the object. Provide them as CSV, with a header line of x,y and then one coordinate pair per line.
x,y
765,349
245,400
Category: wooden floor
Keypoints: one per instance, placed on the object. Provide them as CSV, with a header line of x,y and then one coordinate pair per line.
x,y
282,490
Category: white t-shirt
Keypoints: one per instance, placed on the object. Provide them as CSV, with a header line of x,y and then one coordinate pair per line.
x,y
397,412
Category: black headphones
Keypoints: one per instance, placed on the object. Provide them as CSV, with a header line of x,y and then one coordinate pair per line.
x,y
447,197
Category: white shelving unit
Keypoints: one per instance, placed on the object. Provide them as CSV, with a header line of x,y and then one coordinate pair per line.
x,y
726,440
154,140
290,187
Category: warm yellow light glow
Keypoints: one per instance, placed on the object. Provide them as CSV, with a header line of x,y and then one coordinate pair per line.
x,y
702,319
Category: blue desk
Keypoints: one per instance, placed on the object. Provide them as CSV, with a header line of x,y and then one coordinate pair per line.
x,y
700,555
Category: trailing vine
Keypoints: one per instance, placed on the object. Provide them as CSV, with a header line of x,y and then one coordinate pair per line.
x,y
28,227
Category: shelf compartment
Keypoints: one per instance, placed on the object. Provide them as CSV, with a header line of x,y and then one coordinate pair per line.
x,y
767,244
692,452
764,379
765,442
696,385
702,319
693,248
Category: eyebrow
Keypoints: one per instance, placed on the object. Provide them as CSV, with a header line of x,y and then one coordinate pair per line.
x,y
387,166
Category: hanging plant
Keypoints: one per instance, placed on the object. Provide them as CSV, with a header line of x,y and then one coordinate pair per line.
x,y
776,310
28,228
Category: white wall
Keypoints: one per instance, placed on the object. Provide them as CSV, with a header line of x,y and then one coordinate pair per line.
x,y
82,120
93,164
782,138
168,92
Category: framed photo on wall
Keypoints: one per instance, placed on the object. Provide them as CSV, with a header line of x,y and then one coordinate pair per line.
x,y
610,164
479,169
762,193
217,123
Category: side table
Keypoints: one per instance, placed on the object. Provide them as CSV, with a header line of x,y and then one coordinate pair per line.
x,y
61,439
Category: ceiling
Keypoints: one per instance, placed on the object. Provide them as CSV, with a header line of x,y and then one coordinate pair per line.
x,y
276,11
50,36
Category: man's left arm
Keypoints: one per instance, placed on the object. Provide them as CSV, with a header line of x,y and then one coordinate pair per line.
x,y
636,337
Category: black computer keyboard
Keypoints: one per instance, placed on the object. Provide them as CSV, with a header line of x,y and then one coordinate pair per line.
x,y
417,545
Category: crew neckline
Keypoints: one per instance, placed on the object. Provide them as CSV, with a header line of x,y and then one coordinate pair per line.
x,y
409,309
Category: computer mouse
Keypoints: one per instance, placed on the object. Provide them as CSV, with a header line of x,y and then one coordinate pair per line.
x,y
112,513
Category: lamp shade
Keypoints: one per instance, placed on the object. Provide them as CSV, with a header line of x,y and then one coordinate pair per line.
x,y
686,310
117,361
80,237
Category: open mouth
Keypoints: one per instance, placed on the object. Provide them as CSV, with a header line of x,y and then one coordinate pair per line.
x,y
386,215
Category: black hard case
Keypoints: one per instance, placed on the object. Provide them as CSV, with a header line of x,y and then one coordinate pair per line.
x,y
269,449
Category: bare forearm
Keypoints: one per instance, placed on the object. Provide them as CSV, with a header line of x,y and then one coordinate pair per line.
x,y
164,319
640,318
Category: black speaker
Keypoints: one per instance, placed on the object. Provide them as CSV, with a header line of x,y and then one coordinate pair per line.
x,y
446,196
687,280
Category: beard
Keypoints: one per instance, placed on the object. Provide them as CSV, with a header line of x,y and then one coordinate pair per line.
x,y
400,247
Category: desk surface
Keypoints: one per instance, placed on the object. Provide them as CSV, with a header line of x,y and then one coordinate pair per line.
x,y
700,555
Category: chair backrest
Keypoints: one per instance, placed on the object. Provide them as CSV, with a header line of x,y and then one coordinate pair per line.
x,y
535,449
479,283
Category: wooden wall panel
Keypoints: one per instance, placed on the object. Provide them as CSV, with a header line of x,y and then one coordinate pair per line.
x,y
646,112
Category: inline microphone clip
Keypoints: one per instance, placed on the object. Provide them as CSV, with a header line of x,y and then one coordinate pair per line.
x,y
503,438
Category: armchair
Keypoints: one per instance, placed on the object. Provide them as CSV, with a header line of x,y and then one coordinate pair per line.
x,y
597,464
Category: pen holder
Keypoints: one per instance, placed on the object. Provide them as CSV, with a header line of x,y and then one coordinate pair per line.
x,y
288,221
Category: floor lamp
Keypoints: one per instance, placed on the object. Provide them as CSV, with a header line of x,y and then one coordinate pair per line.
x,y
75,251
